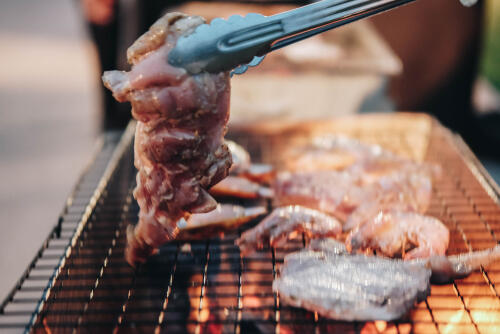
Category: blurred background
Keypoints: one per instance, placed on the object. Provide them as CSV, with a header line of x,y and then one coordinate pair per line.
x,y
433,55
49,116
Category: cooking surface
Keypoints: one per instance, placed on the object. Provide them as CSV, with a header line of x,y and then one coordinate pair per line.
x,y
208,287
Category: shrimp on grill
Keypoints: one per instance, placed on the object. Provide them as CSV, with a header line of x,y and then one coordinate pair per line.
x,y
283,222
393,232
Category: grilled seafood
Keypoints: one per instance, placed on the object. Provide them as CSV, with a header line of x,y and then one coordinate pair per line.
x,y
224,217
375,184
447,268
391,232
245,177
340,286
285,221
236,186
341,193
240,157
406,191
179,147
326,279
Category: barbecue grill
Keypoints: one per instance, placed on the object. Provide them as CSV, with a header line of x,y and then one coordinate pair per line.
x,y
80,282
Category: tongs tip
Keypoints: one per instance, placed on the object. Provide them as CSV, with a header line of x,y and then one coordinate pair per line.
x,y
208,47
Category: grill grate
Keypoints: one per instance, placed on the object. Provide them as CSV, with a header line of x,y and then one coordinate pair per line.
x,y
210,288
20,306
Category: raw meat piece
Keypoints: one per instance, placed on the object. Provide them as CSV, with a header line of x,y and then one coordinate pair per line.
x,y
179,147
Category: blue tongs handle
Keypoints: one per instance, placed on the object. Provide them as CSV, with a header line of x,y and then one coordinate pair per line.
x,y
223,45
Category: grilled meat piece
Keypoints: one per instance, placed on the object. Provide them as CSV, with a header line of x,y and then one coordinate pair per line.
x,y
223,218
240,187
375,185
322,190
337,175
179,147
342,193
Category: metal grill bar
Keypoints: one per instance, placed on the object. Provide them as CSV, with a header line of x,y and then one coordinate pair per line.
x,y
16,311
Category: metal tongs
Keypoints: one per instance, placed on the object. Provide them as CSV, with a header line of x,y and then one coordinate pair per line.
x,y
239,42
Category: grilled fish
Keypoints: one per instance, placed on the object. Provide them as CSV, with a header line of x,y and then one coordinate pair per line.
x,y
351,287
326,279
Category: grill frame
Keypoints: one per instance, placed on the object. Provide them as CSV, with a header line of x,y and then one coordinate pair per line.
x,y
271,317
83,194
